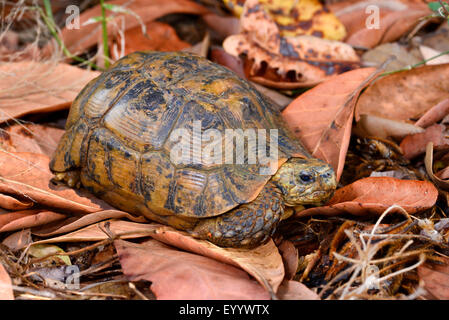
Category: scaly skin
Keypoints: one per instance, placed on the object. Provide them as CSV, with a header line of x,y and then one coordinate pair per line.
x,y
297,182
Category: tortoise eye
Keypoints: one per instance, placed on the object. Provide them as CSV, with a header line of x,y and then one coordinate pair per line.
x,y
306,177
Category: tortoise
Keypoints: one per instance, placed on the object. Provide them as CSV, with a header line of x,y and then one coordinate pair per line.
x,y
120,144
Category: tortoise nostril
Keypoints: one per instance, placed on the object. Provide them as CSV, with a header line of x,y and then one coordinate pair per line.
x,y
326,175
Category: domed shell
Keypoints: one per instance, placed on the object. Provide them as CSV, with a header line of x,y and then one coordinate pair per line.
x,y
126,127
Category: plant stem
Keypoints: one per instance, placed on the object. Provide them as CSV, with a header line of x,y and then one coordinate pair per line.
x,y
105,34
47,16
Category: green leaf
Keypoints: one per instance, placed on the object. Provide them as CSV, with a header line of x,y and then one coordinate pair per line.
x,y
436,7
42,250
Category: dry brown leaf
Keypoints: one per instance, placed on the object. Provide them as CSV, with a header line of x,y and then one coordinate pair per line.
x,y
289,258
405,95
322,117
78,40
27,176
30,137
415,144
395,19
96,232
27,218
373,126
264,262
439,180
77,222
286,61
436,279
374,195
434,114
181,275
160,37
6,292
32,87
18,240
428,53
294,290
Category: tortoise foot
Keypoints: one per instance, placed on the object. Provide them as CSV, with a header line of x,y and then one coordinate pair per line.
x,y
71,178
246,226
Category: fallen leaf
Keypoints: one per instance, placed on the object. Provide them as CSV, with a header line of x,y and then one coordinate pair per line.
x,y
286,61
10,203
405,95
96,232
27,176
395,19
295,290
374,195
415,144
18,240
6,292
30,137
27,218
76,222
436,279
264,262
181,275
428,161
403,56
31,87
434,114
223,25
383,128
43,250
289,255
428,53
159,37
322,117
293,18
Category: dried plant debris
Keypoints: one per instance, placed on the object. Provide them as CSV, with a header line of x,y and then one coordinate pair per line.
x,y
286,61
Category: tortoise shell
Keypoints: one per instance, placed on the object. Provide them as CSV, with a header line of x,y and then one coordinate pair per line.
x,y
119,129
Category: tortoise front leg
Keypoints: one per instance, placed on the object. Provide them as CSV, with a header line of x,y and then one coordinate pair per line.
x,y
248,225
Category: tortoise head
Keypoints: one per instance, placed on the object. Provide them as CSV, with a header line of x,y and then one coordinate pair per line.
x,y
305,181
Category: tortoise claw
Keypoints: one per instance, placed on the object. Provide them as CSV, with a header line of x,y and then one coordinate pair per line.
x,y
71,178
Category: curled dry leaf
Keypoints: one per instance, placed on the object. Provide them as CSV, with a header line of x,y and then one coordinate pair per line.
x,y
79,40
294,290
436,279
32,87
106,230
17,220
18,240
181,275
439,181
322,117
26,177
405,95
264,262
434,114
415,144
77,222
289,257
395,19
404,57
374,195
6,292
369,125
286,61
159,37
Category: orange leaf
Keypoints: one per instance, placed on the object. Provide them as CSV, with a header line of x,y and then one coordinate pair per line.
x,y
376,194
415,144
405,95
322,117
181,275
28,218
6,292
27,176
294,290
436,279
32,87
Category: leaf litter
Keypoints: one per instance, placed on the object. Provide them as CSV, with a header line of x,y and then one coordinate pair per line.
x,y
382,236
